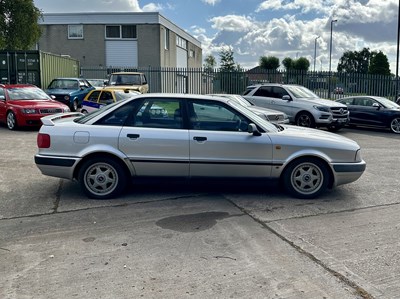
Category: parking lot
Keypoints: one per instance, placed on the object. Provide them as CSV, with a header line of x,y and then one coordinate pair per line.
x,y
199,241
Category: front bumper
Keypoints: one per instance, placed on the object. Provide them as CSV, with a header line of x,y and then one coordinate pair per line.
x,y
345,173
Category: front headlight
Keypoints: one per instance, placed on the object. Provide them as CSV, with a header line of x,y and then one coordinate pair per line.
x,y
322,108
66,109
66,98
29,111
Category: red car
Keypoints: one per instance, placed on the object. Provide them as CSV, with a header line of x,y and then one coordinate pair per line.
x,y
24,104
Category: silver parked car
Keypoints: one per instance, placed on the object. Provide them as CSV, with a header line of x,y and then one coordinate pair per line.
x,y
273,116
201,137
303,107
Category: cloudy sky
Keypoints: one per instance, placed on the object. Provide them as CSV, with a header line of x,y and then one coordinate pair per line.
x,y
255,28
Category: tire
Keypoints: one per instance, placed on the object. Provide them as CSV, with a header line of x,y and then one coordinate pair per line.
x,y
305,119
102,178
306,178
334,128
11,121
74,106
395,125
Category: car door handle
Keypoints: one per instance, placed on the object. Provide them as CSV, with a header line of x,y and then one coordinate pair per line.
x,y
133,136
198,138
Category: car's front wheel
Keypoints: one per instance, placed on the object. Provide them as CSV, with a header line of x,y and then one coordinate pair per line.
x,y
305,119
306,178
102,178
395,125
74,106
334,128
11,121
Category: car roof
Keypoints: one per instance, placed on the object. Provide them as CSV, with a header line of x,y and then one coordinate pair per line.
x,y
183,96
126,73
17,85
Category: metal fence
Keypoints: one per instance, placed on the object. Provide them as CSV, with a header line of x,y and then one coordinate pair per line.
x,y
198,80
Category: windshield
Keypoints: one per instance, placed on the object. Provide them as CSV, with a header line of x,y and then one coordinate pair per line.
x,y
388,103
64,84
27,93
89,116
266,125
301,92
125,79
122,95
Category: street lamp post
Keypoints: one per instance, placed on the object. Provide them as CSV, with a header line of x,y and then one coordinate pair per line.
x,y
315,51
330,59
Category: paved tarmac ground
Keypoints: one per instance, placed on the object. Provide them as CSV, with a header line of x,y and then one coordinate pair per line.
x,y
196,240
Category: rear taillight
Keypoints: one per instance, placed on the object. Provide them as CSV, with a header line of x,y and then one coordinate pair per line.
x,y
43,140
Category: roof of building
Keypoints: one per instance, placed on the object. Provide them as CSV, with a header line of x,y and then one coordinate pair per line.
x,y
113,18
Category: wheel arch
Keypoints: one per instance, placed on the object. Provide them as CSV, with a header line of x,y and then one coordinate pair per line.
x,y
128,169
324,160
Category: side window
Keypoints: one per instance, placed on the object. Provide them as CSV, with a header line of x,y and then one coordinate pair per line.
x,y
279,92
106,98
215,116
2,93
94,96
264,91
159,113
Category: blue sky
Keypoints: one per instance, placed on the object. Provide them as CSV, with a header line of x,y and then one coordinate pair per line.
x,y
255,28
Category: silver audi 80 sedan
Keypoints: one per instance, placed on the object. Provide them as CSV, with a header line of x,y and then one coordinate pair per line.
x,y
199,137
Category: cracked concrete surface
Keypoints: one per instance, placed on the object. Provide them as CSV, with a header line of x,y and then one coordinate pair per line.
x,y
198,240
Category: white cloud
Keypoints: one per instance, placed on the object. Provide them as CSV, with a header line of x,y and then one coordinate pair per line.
x,y
153,7
211,2
232,23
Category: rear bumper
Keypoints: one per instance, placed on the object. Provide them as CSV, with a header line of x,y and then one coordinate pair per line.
x,y
61,167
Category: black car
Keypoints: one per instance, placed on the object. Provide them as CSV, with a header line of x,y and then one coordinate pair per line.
x,y
373,111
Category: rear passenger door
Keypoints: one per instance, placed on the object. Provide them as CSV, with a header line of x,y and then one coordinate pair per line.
x,y
261,97
155,140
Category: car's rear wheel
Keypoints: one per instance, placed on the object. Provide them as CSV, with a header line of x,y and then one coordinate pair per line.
x,y
11,121
102,178
395,125
306,178
305,119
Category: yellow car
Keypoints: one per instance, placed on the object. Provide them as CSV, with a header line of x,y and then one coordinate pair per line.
x,y
102,97
132,80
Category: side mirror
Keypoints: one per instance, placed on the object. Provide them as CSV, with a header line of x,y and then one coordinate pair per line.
x,y
376,105
2,98
252,129
286,98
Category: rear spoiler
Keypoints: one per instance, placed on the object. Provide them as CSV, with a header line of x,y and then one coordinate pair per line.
x,y
50,119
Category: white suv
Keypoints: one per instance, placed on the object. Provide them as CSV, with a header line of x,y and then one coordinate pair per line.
x,y
303,107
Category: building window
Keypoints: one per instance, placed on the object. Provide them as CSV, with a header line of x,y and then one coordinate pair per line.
x,y
121,31
166,39
75,31
191,54
181,42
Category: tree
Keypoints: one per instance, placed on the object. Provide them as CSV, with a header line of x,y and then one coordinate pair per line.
x,y
287,63
19,28
269,63
227,62
355,62
209,63
301,64
379,64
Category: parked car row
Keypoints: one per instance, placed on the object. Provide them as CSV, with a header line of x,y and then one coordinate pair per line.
x,y
305,108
